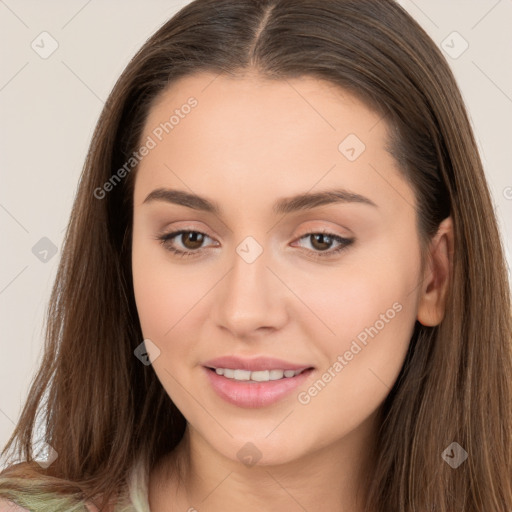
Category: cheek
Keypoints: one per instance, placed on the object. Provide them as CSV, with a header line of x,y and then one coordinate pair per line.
x,y
164,291
371,290
361,363
372,312
168,300
370,325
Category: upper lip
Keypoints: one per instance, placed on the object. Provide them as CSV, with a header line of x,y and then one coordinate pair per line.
x,y
253,364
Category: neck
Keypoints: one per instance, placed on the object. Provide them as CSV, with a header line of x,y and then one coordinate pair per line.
x,y
210,481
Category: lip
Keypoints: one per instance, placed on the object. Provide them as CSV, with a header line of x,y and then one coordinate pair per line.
x,y
254,394
255,364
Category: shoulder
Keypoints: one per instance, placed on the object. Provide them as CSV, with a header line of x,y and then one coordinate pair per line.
x,y
9,506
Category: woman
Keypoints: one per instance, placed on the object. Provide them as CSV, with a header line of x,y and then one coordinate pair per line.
x,y
282,279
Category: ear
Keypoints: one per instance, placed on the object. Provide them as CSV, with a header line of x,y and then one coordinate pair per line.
x,y
437,276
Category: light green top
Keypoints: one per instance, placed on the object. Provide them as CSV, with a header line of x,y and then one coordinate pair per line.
x,y
136,501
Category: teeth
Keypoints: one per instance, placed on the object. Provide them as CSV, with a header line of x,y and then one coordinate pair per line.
x,y
277,374
258,376
242,375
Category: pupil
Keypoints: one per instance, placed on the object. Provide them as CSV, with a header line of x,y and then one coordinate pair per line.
x,y
196,239
323,245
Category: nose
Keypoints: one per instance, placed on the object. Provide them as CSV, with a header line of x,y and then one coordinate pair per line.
x,y
251,299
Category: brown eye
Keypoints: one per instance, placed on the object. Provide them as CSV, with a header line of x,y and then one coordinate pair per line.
x,y
321,241
321,244
184,242
192,239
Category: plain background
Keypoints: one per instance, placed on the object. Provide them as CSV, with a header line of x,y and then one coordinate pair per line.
x,y
49,107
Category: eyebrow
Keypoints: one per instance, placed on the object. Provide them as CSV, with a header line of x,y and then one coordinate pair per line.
x,y
300,202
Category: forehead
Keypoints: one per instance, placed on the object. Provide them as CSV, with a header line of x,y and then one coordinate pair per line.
x,y
251,135
258,104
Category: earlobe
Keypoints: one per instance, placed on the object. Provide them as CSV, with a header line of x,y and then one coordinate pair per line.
x,y
437,276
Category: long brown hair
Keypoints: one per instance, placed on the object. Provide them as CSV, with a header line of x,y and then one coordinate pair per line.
x,y
102,408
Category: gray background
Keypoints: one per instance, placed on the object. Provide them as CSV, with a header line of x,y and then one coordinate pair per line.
x,y
49,107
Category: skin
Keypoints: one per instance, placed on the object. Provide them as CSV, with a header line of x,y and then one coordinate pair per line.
x,y
248,143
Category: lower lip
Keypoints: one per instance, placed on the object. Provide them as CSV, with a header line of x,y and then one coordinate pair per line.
x,y
254,394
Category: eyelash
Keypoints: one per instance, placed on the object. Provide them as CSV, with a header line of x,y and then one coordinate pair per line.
x,y
344,243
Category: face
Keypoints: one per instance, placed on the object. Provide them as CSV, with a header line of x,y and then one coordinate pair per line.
x,y
227,264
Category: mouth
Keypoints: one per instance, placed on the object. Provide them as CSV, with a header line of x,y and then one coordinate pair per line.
x,y
242,375
255,389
